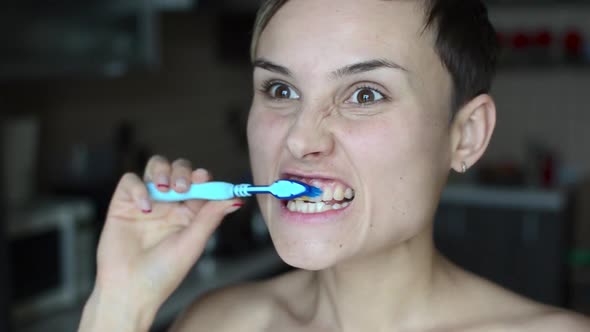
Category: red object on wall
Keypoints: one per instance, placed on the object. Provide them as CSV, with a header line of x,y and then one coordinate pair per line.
x,y
548,172
520,40
543,38
573,42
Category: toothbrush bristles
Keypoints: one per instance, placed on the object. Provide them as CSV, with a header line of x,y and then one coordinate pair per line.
x,y
313,192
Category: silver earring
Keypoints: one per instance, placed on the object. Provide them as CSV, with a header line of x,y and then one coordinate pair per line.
x,y
464,168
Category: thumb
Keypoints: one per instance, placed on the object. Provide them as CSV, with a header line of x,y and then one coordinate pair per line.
x,y
193,239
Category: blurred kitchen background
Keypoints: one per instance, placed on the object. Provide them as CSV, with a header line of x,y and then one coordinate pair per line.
x,y
90,89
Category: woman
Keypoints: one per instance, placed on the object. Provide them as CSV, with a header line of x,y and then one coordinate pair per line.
x,y
374,102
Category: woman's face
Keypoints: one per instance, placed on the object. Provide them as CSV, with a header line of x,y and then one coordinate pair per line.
x,y
351,97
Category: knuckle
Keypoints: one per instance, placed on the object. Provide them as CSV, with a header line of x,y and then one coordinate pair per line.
x,y
158,161
131,183
128,177
155,164
139,190
181,163
158,158
161,167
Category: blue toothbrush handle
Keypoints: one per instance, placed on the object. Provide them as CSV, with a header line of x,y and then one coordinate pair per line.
x,y
218,191
214,191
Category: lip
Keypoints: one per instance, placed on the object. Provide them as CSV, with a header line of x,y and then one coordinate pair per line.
x,y
313,218
312,175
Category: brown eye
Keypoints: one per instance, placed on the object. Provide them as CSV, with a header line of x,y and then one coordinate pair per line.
x,y
366,96
282,91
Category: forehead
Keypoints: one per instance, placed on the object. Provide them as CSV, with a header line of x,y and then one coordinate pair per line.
x,y
334,33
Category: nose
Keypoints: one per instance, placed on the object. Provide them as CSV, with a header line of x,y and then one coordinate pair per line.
x,y
309,138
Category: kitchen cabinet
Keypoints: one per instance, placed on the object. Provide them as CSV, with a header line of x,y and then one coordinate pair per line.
x,y
514,237
68,38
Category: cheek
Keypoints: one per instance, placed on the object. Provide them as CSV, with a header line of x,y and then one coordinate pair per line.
x,y
378,147
398,146
384,154
265,136
399,162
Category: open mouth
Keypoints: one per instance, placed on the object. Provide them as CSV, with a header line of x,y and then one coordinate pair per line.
x,y
335,196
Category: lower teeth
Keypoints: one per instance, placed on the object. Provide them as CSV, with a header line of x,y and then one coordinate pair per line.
x,y
304,207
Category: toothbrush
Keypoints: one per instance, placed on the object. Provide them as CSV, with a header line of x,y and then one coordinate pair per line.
x,y
281,189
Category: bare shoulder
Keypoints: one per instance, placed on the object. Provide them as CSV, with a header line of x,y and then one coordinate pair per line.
x,y
490,307
553,320
244,307
531,316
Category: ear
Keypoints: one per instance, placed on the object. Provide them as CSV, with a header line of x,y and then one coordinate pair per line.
x,y
471,131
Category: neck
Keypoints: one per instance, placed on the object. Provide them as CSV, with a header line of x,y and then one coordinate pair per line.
x,y
401,285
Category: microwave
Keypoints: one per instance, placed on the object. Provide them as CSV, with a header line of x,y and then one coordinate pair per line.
x,y
52,250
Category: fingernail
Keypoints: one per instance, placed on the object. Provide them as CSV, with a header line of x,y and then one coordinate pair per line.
x,y
145,206
146,211
163,182
234,208
181,184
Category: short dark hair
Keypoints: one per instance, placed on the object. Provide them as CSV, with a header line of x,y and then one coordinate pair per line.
x,y
465,42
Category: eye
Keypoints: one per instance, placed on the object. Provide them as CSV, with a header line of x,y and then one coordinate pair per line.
x,y
280,91
366,96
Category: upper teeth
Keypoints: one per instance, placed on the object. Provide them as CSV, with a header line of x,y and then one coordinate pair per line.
x,y
331,192
348,194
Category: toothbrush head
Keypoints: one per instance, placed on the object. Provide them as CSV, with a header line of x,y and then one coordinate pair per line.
x,y
291,189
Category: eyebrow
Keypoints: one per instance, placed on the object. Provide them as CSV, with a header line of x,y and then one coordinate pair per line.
x,y
353,69
366,66
265,64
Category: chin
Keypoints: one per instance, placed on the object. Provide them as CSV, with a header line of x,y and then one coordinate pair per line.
x,y
307,254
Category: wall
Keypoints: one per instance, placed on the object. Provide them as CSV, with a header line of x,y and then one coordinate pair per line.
x,y
181,109
5,290
544,105
549,106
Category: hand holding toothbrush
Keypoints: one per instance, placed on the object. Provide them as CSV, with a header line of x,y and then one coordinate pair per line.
x,y
147,248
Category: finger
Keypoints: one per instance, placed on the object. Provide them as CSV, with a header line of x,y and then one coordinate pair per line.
x,y
181,175
198,176
201,175
132,188
158,170
193,239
